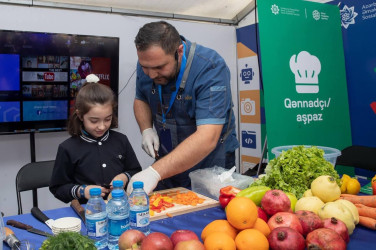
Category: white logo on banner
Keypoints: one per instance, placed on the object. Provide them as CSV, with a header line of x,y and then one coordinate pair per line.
x,y
347,16
275,9
306,68
316,15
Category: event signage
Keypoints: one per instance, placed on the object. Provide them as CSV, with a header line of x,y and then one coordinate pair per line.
x,y
303,74
251,123
358,21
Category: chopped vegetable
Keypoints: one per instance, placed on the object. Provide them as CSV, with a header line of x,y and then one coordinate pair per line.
x,y
188,198
294,170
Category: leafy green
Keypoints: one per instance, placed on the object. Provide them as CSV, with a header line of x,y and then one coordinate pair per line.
x,y
294,170
68,240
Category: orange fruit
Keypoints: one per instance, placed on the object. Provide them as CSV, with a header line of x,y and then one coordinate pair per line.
x,y
219,241
219,226
251,239
262,226
241,213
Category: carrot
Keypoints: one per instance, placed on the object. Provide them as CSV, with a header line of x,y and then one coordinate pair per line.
x,y
367,222
169,215
366,211
367,200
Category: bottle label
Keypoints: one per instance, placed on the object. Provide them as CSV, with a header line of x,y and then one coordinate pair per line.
x,y
96,228
117,226
139,218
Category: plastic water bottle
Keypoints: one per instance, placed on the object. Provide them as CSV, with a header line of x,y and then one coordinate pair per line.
x,y
139,217
118,217
96,219
118,185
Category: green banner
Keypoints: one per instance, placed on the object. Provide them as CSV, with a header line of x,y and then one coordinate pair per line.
x,y
303,74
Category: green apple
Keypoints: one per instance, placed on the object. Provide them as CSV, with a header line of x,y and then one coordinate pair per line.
x,y
293,200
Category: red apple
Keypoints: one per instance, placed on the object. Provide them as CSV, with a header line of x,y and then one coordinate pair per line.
x,y
189,245
182,235
131,239
157,241
262,214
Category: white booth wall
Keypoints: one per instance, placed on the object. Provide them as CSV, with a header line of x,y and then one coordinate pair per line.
x,y
15,149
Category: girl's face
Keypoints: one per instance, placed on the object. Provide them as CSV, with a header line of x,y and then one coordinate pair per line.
x,y
98,120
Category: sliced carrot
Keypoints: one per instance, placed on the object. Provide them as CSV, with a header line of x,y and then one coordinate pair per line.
x,y
367,222
169,215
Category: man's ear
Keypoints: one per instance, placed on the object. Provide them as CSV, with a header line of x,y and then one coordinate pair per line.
x,y
180,50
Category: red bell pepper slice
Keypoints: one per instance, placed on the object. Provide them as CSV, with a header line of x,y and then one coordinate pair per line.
x,y
229,191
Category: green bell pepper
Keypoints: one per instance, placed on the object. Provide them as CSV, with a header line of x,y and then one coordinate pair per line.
x,y
254,193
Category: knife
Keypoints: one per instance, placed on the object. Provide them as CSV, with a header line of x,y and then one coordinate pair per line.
x,y
75,204
28,228
37,213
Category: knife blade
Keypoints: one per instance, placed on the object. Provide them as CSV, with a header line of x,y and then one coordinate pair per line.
x,y
28,228
37,213
75,204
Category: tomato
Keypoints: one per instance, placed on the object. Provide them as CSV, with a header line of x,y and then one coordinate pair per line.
x,y
224,200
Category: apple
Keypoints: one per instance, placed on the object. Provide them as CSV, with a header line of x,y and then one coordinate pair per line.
x,y
157,241
182,235
189,245
262,214
131,239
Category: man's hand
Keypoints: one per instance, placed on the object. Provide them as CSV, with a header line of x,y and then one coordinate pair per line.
x,y
121,177
150,141
104,191
149,177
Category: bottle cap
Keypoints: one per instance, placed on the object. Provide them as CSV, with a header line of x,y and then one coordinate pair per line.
x,y
95,191
117,183
138,184
117,193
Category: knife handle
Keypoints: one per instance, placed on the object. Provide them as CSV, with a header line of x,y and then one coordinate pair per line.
x,y
39,214
75,204
18,224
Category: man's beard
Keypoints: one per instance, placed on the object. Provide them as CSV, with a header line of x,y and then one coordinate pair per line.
x,y
171,78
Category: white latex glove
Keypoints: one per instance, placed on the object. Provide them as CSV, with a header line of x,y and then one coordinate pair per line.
x,y
148,176
150,141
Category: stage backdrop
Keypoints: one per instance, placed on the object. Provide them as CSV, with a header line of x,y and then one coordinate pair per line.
x,y
358,20
303,73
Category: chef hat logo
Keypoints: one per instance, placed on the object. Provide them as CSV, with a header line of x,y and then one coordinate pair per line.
x,y
306,68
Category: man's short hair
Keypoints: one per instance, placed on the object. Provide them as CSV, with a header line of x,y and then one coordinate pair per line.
x,y
160,34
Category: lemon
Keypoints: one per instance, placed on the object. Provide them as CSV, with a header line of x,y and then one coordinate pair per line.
x,y
344,180
353,186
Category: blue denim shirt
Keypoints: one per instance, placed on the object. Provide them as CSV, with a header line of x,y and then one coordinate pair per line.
x,y
206,99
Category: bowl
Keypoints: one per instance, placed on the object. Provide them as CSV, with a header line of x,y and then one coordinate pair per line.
x,y
330,154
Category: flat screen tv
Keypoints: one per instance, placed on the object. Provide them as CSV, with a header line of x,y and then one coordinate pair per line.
x,y
40,74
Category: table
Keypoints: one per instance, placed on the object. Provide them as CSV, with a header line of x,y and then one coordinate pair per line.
x,y
362,238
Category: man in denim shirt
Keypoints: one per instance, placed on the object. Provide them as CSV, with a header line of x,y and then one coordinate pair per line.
x,y
183,89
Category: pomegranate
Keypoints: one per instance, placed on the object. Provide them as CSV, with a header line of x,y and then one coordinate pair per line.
x,y
309,221
285,219
275,201
325,238
262,214
338,226
285,238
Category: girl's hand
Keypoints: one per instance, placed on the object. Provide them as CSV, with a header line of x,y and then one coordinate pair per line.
x,y
121,177
104,191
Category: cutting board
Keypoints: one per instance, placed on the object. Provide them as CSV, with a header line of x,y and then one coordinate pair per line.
x,y
178,209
